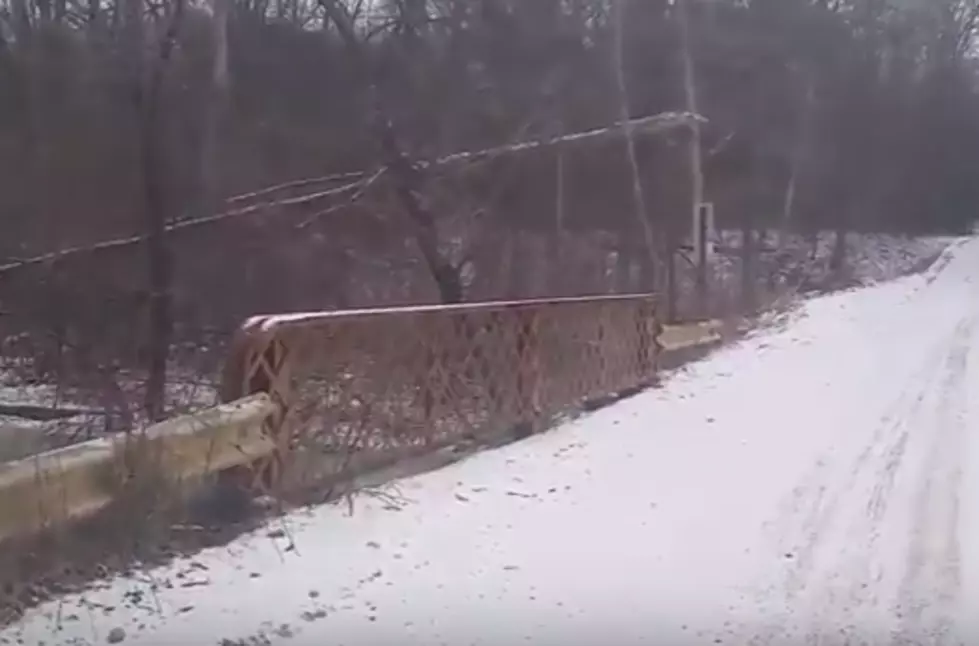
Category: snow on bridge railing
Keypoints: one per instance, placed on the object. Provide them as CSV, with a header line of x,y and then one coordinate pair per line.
x,y
358,390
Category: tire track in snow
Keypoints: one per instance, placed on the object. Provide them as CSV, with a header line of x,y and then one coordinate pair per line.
x,y
850,585
866,609
932,580
815,503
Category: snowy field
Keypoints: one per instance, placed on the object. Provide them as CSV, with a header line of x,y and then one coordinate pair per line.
x,y
815,484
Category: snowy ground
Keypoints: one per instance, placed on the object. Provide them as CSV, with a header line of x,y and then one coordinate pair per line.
x,y
870,257
21,437
802,265
814,484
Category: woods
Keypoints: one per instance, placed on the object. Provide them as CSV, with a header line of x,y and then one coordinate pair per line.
x,y
210,160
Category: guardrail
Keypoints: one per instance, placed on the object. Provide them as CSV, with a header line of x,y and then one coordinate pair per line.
x,y
338,393
321,399
52,488
369,387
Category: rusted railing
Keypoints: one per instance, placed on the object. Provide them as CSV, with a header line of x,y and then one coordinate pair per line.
x,y
362,387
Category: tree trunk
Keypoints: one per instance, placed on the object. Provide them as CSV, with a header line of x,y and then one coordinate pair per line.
x,y
209,191
159,270
638,194
158,255
32,109
695,158
555,242
788,206
507,286
748,296
671,313
406,176
837,260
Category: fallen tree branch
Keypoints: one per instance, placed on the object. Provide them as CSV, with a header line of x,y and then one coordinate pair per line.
x,y
354,199
55,256
299,183
643,126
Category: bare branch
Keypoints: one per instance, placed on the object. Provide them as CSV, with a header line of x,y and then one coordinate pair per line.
x,y
299,183
654,125
255,209
361,190
641,127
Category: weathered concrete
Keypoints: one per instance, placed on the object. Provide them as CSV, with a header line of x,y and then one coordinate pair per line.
x,y
76,481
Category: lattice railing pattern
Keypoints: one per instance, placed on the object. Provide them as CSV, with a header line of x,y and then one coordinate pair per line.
x,y
393,382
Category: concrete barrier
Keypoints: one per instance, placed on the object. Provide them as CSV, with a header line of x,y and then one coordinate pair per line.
x,y
690,335
77,481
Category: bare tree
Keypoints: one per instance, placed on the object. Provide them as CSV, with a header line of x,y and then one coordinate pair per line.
x,y
208,199
695,151
407,176
152,128
274,192
653,255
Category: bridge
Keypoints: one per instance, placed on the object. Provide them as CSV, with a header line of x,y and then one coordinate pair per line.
x,y
815,480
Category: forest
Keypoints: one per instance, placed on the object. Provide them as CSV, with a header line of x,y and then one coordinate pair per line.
x,y
170,167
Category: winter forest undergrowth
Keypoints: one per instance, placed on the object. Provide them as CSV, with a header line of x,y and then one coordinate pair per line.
x,y
169,167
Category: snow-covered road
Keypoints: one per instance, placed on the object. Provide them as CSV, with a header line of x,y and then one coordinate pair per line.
x,y
813,484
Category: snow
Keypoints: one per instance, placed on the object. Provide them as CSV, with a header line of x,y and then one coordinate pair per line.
x,y
22,436
818,481
870,258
